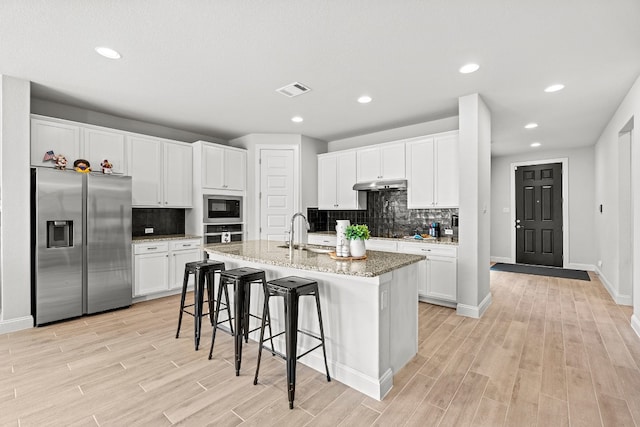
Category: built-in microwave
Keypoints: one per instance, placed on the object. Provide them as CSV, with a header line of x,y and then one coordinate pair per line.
x,y
222,209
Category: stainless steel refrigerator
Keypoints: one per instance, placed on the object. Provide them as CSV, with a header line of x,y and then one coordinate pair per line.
x,y
81,243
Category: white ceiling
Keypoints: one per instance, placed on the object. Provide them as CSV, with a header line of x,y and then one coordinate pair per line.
x,y
212,67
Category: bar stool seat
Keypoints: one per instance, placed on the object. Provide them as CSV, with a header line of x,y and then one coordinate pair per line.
x,y
291,288
204,272
241,280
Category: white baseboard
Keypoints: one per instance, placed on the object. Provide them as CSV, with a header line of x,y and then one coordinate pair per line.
x,y
376,388
500,259
617,298
635,324
473,311
576,266
18,324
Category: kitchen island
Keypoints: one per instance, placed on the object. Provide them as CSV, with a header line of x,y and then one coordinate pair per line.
x,y
369,308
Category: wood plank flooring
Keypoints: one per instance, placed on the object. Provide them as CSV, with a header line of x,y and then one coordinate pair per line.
x,y
548,352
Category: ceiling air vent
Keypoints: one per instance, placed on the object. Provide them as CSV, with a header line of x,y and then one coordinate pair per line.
x,y
293,89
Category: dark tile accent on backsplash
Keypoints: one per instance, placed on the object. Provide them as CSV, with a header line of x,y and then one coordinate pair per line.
x,y
387,215
163,221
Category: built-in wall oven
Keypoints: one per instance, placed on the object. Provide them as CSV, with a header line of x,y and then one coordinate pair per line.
x,y
222,209
222,233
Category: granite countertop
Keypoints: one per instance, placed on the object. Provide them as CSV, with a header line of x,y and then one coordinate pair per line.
x,y
270,252
161,237
433,240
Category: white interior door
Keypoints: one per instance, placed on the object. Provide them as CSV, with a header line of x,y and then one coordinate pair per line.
x,y
276,193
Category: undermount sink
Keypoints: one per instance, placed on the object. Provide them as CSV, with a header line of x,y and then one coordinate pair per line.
x,y
310,249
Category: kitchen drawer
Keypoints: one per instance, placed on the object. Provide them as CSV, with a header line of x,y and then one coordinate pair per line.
x,y
183,245
321,239
428,249
150,248
381,245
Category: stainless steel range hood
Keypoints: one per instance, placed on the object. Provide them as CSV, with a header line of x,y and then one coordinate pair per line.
x,y
389,184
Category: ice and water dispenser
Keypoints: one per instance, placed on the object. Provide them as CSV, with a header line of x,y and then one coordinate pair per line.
x,y
59,234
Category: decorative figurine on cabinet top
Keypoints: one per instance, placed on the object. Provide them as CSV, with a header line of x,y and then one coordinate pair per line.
x,y
107,167
61,162
82,166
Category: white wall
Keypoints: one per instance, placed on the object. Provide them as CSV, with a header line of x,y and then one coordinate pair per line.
x,y
607,193
15,280
474,295
581,203
420,129
76,114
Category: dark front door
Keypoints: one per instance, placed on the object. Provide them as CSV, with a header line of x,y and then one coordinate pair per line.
x,y
539,214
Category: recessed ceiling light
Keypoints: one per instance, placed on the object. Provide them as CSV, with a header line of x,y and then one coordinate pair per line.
x,y
364,99
469,68
535,144
107,52
554,88
297,119
531,126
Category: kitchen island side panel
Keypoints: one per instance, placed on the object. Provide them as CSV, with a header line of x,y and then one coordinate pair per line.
x,y
370,323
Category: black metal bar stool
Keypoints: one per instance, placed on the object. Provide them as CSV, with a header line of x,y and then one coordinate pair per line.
x,y
204,275
241,279
291,288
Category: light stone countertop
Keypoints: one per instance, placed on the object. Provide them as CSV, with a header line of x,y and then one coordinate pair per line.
x,y
268,252
432,240
163,237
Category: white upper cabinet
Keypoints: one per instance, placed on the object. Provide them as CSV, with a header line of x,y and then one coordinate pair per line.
x,y
433,172
61,138
223,168
336,176
447,181
384,161
178,175
327,181
161,172
145,161
101,145
235,169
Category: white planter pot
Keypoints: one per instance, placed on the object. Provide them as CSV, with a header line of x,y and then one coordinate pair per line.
x,y
357,248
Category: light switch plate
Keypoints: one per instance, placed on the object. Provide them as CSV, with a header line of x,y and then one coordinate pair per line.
x,y
148,230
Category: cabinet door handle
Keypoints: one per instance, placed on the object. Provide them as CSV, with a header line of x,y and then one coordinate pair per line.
x,y
185,245
152,249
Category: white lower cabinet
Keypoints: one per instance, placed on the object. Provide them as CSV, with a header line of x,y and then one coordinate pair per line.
x,y
439,273
159,266
182,252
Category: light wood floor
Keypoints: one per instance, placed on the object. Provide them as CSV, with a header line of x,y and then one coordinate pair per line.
x,y
548,352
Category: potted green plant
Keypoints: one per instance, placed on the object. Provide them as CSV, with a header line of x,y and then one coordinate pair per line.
x,y
357,234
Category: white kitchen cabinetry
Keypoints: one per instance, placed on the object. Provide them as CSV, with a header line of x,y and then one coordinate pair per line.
x,y
223,168
151,268
100,145
381,245
178,175
182,252
383,161
145,160
161,173
321,239
336,177
439,272
61,138
159,266
433,172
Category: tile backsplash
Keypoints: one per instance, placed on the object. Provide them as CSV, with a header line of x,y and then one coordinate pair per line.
x,y
163,221
387,215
